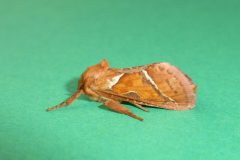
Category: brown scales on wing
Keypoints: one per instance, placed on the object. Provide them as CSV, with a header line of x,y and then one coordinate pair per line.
x,y
174,89
174,84
134,82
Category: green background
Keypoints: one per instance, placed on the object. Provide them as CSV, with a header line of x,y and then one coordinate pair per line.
x,y
45,46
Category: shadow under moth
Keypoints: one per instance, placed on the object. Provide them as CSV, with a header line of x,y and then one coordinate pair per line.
x,y
158,85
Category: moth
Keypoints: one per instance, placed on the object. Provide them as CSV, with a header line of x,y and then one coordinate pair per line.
x,y
159,85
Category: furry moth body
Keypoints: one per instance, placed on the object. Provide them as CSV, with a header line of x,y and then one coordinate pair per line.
x,y
158,85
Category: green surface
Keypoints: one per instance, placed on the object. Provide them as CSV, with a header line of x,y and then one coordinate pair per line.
x,y
46,45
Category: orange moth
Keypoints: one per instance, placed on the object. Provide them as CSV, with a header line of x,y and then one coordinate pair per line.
x,y
159,85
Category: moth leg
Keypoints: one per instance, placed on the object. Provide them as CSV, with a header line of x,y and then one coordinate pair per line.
x,y
67,101
117,107
139,106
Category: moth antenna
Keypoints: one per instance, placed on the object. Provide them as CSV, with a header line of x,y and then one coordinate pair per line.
x,y
67,101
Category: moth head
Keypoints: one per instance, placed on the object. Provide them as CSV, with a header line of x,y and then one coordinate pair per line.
x,y
93,72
